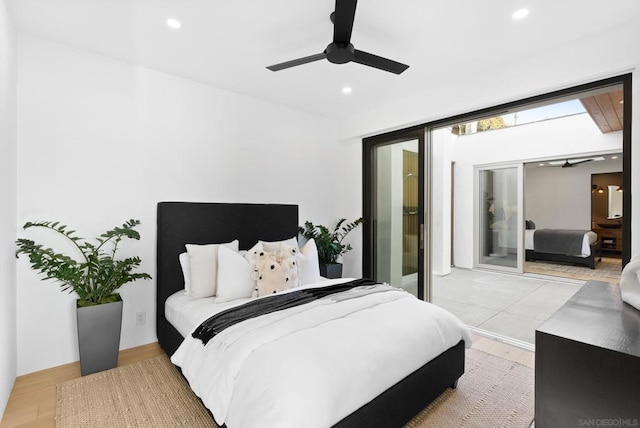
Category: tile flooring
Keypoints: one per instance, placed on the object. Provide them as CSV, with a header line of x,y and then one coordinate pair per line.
x,y
504,304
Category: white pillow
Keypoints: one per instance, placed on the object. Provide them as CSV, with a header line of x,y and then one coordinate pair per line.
x,y
186,271
203,262
309,266
234,276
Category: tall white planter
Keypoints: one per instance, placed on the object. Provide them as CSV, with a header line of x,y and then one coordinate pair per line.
x,y
99,336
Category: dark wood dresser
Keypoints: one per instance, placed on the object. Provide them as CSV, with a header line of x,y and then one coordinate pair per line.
x,y
610,240
588,362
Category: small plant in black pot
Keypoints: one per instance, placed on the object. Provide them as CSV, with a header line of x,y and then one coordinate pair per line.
x,y
329,243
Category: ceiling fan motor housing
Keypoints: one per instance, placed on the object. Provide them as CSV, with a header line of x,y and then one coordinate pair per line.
x,y
339,53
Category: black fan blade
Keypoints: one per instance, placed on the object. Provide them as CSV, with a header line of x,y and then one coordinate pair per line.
x,y
376,61
582,161
345,13
299,61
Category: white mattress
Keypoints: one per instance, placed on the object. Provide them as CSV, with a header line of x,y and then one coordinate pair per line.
x,y
342,349
589,238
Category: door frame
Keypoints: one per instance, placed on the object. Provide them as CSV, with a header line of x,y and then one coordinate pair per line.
x,y
368,157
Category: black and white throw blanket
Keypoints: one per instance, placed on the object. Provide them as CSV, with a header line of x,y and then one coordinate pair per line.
x,y
559,241
278,302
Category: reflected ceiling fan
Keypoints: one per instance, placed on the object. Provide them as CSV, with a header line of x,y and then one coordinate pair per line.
x,y
341,50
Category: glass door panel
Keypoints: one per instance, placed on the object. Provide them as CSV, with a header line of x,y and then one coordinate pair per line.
x,y
394,211
395,216
499,216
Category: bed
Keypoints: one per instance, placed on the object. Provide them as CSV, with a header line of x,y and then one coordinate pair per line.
x,y
180,223
584,250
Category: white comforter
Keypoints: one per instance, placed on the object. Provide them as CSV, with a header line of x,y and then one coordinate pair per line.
x,y
312,365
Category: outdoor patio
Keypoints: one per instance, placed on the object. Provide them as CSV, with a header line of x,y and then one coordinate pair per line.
x,y
504,304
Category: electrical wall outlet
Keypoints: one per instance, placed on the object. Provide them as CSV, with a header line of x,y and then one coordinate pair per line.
x,y
141,318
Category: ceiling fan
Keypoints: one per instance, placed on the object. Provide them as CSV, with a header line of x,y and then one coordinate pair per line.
x,y
567,164
341,50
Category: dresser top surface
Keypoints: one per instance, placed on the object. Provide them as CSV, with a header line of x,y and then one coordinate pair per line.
x,y
596,315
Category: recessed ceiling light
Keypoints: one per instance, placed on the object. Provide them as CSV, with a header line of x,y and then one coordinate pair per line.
x,y
346,90
614,157
540,164
520,14
174,23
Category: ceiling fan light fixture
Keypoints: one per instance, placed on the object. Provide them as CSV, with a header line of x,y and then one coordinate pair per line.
x,y
347,90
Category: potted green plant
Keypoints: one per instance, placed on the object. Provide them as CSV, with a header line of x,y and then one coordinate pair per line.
x,y
329,244
95,278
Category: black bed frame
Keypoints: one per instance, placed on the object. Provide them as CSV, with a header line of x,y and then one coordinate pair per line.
x,y
180,223
595,255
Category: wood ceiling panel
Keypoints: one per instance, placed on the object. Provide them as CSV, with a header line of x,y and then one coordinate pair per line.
x,y
616,99
606,110
591,106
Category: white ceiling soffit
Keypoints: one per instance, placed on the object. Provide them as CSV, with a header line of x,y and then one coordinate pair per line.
x,y
229,44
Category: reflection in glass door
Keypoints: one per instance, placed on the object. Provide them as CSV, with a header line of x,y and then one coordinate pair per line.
x,y
394,213
499,225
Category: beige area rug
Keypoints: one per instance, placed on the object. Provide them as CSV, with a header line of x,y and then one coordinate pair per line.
x,y
492,393
151,393
609,268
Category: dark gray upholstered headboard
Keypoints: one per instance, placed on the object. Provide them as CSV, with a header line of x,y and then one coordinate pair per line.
x,y
181,223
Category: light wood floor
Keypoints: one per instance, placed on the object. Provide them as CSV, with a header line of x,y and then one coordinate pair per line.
x,y
33,399
588,275
32,402
569,275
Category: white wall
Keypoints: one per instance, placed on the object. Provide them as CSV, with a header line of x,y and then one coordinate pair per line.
x,y
443,146
560,198
102,141
8,171
603,55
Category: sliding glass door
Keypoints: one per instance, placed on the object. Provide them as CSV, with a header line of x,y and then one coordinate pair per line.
x,y
499,225
394,230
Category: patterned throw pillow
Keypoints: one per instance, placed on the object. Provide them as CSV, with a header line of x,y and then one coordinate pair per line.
x,y
275,270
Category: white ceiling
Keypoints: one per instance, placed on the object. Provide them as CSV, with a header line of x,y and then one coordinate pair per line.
x,y
228,44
